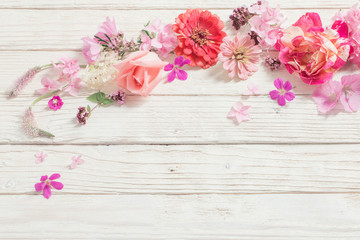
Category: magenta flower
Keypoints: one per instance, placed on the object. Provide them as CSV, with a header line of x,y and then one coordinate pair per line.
x,y
76,160
48,86
350,96
47,184
283,92
239,112
55,103
91,49
176,71
70,67
327,96
40,157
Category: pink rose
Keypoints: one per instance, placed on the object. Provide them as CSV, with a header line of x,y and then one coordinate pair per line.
x,y
312,52
91,49
140,72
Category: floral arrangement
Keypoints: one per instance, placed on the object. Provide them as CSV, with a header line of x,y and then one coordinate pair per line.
x,y
117,67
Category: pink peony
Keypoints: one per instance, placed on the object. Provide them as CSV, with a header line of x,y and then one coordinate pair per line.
x,y
347,24
140,72
159,37
240,56
350,95
47,183
312,52
91,49
327,95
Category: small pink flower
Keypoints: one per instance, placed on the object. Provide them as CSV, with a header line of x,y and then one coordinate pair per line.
x,y
327,95
76,160
70,67
109,28
350,95
74,87
46,184
40,157
49,85
91,49
283,92
253,89
55,103
239,112
176,71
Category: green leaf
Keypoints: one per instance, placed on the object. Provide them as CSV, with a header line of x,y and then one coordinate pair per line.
x,y
100,98
88,108
107,101
93,98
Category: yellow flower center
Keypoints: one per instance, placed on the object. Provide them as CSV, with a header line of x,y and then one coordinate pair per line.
x,y
199,36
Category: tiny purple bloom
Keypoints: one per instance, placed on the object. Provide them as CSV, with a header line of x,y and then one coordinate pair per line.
x,y
283,92
55,103
175,70
47,183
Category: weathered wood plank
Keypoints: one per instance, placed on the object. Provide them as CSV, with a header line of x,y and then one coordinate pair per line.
x,y
181,119
186,169
210,217
27,29
166,4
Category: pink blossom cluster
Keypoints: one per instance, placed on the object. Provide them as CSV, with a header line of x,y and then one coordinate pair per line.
x,y
348,26
346,92
266,22
159,37
68,80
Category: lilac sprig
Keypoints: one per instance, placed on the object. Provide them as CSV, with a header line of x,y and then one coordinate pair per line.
x,y
240,17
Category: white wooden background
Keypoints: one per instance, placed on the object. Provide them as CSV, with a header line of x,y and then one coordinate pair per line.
x,y
171,166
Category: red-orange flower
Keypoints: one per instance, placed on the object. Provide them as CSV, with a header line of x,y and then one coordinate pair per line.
x,y
200,36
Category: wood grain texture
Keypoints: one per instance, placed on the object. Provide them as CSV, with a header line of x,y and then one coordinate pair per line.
x,y
168,4
182,120
210,217
186,169
28,30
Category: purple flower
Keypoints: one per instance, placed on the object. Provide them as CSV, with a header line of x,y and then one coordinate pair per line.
x,y
176,71
240,17
55,103
119,97
82,115
283,92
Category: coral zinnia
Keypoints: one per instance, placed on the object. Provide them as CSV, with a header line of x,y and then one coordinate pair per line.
x,y
240,56
200,37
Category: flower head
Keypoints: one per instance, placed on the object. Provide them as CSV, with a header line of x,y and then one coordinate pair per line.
x,y
76,160
240,17
175,70
48,86
119,96
47,183
91,49
350,94
82,115
273,63
326,96
40,156
239,112
312,52
55,103
282,94
107,28
69,67
23,81
159,37
200,36
240,56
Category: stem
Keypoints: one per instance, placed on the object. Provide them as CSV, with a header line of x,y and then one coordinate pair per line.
x,y
48,95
